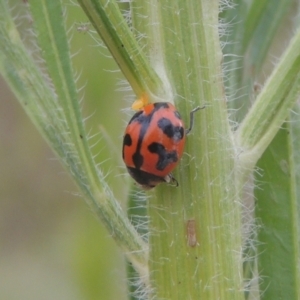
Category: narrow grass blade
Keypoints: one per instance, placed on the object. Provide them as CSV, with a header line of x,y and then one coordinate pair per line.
x,y
108,21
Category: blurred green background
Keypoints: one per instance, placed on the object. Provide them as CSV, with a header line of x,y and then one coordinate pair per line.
x,y
51,244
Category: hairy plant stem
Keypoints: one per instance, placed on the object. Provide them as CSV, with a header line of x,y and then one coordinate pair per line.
x,y
195,229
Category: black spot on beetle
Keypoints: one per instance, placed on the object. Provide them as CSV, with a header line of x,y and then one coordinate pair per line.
x,y
127,141
136,117
174,132
138,159
159,105
164,157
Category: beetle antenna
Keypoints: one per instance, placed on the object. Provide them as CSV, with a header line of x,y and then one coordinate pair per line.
x,y
187,131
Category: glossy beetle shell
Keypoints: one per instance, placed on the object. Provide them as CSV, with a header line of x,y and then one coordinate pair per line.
x,y
153,144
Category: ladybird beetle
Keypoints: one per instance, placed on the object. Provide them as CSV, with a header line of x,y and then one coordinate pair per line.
x,y
153,143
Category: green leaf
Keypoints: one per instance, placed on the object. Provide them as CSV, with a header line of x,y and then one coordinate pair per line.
x,y
277,216
261,26
252,29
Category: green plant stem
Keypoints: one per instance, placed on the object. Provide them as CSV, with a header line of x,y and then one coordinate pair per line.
x,y
195,234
